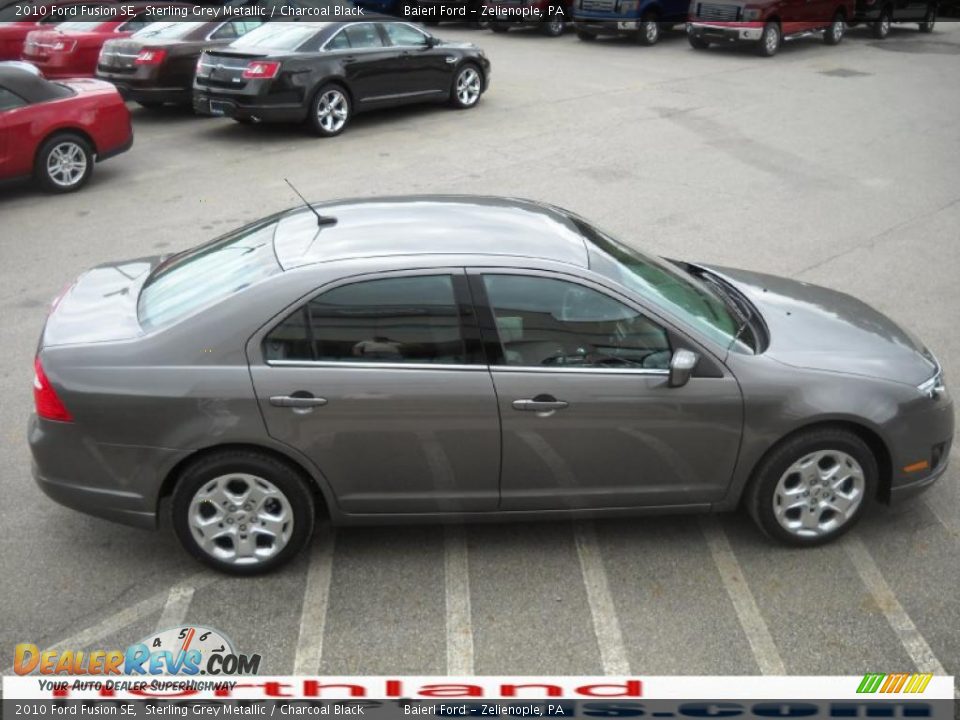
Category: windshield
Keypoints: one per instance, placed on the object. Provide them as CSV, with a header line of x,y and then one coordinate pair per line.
x,y
167,30
666,286
277,36
206,275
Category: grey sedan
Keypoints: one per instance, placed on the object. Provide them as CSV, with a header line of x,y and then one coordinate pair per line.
x,y
427,359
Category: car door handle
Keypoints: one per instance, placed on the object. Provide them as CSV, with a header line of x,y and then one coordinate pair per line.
x,y
297,401
540,404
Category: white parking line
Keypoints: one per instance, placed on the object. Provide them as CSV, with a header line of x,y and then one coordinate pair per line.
x,y
121,619
457,586
175,609
914,643
754,627
316,594
606,625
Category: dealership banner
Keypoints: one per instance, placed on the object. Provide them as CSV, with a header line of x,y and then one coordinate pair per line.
x,y
874,695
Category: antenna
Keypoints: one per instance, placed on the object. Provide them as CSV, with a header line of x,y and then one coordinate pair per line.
x,y
322,220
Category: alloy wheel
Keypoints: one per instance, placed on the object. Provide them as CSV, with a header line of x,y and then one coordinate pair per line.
x,y
333,110
651,31
839,27
468,86
819,493
771,40
240,519
66,164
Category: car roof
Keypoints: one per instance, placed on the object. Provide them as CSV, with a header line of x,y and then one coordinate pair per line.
x,y
28,85
429,225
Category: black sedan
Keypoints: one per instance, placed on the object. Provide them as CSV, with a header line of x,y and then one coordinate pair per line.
x,y
323,73
155,65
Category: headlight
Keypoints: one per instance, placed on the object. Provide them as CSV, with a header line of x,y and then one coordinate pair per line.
x,y
935,388
750,14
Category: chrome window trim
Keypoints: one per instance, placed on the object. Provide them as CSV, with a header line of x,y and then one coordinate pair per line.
x,y
374,365
585,370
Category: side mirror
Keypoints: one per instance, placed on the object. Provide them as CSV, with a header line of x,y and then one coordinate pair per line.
x,y
431,41
681,366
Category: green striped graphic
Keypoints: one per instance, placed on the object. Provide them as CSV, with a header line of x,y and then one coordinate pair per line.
x,y
871,682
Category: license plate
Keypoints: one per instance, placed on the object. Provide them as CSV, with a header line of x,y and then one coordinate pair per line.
x,y
218,107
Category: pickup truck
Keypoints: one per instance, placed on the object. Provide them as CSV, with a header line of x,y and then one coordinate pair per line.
x,y
642,19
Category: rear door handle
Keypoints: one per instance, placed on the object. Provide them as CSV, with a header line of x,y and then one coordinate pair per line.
x,y
295,401
540,403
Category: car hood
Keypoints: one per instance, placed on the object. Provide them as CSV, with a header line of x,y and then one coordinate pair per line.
x,y
822,329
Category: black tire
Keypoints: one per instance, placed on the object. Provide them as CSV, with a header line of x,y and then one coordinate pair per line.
x,y
499,26
554,22
881,28
586,36
929,20
770,40
150,104
649,31
62,181
759,497
462,73
834,33
282,476
243,120
698,43
314,120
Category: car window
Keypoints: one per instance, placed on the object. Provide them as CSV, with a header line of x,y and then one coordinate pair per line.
x,y
278,36
544,322
139,22
393,320
206,275
227,31
363,35
10,100
403,34
340,41
170,30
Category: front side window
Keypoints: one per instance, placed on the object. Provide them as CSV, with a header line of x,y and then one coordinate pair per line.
x,y
548,323
363,35
392,320
10,100
404,35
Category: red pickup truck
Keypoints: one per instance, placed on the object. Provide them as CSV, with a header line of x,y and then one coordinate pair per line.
x,y
767,23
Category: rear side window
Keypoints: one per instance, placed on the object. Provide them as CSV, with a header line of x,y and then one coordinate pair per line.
x,y
199,278
393,320
363,35
10,100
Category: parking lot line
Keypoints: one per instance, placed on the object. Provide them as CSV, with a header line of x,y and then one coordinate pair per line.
x,y
606,625
313,616
752,622
908,634
176,607
457,586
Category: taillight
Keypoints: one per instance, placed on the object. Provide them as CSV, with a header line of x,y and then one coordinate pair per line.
x,y
150,56
64,46
260,70
45,399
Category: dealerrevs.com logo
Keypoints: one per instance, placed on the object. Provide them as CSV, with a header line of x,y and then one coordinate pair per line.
x,y
190,650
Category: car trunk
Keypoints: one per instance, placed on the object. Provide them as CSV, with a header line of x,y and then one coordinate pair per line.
x,y
224,68
119,56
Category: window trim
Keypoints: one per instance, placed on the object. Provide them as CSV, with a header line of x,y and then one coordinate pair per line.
x,y
470,332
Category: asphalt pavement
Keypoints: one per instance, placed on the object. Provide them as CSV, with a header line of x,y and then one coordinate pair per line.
x,y
834,165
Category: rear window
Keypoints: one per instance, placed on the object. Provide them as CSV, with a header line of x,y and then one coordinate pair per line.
x,y
187,283
277,36
167,30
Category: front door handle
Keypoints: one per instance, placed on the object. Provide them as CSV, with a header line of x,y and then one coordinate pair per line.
x,y
541,403
297,401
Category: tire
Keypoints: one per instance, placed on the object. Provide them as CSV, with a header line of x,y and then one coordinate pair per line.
x,y
467,87
64,163
881,28
586,36
243,120
208,502
698,43
331,110
929,20
770,40
150,104
499,26
554,23
833,35
777,498
649,33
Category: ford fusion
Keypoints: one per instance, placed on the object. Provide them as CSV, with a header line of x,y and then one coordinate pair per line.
x,y
325,73
426,359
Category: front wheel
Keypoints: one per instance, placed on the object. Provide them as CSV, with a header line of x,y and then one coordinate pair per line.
x,y
834,34
769,40
814,487
698,43
330,111
242,512
929,20
881,28
554,24
64,163
649,30
467,87
585,36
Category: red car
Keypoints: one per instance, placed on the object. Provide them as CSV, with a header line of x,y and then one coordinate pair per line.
x,y
71,48
55,131
24,16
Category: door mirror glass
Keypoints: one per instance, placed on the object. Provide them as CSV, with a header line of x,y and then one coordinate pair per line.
x,y
681,367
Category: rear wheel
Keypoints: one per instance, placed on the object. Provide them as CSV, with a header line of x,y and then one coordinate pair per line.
x,y
770,40
649,30
834,34
64,163
813,487
881,28
554,23
929,20
330,111
242,512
